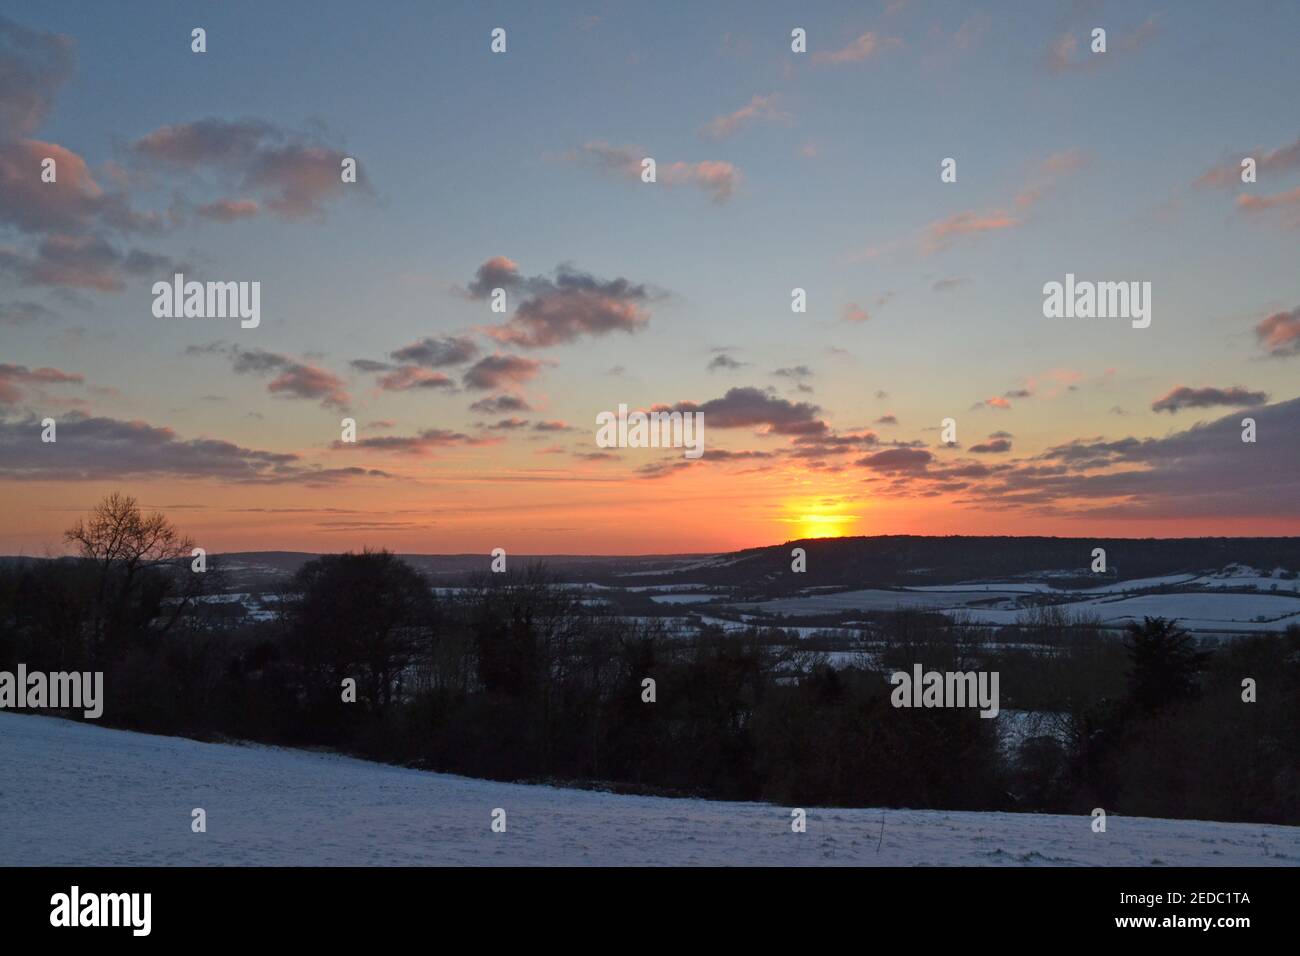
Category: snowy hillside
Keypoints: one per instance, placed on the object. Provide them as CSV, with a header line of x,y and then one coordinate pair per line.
x,y
75,794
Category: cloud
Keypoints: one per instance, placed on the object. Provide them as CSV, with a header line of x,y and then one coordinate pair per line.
x,y
1228,174
1279,334
295,173
370,366
995,401
493,371
887,420
497,273
99,449
1205,471
421,444
14,314
72,214
797,372
852,312
759,108
15,380
33,66
749,407
725,362
438,352
1040,180
1063,52
500,404
898,460
229,210
293,379
73,202
716,177
560,309
863,48
82,262
310,382
1184,397
941,234
410,377
992,446
947,285
1252,204
824,444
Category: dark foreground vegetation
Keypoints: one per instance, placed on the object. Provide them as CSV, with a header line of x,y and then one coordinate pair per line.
x,y
514,678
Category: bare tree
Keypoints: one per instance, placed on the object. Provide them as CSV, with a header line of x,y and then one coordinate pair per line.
x,y
124,543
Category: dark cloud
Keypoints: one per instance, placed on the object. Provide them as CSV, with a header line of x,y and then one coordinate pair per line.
x,y
82,262
437,352
493,371
560,309
410,377
370,366
1185,397
897,460
749,407
16,380
725,362
421,444
293,379
993,446
98,449
796,372
1205,471
500,404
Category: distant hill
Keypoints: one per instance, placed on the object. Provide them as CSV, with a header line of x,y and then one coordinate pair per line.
x,y
913,559
885,560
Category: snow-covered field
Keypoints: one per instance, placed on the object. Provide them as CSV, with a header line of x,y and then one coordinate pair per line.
x,y
75,794
1211,611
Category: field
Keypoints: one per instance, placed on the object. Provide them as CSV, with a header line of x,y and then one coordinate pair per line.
x,y
76,794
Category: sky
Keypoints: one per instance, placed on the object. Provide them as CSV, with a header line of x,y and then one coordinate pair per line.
x,y
776,170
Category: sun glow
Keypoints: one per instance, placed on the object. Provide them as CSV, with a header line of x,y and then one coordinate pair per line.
x,y
824,526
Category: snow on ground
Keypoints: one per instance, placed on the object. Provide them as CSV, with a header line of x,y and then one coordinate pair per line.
x,y
1195,611
875,599
75,794
683,598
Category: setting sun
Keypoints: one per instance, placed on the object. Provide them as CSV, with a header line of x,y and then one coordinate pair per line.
x,y
824,526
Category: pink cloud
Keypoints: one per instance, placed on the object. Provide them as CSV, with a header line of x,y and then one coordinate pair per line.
x,y
939,235
863,48
1279,334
